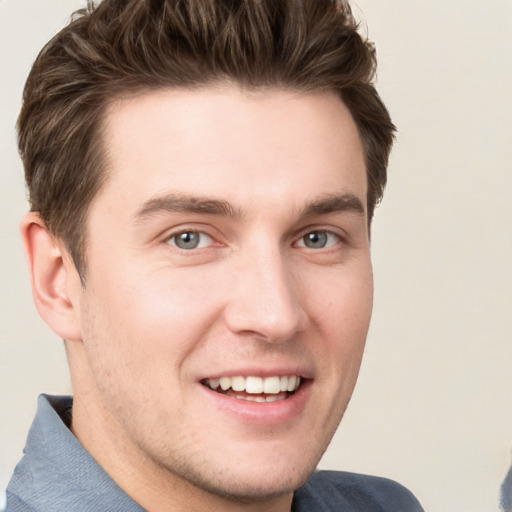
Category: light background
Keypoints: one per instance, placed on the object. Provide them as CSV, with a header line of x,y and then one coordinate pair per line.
x,y
433,407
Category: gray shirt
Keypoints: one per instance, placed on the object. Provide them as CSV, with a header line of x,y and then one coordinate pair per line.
x,y
57,474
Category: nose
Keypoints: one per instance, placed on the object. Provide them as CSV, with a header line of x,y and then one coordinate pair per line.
x,y
265,301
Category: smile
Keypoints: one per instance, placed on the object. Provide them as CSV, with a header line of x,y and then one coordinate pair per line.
x,y
255,389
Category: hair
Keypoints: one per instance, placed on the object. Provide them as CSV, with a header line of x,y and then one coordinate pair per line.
x,y
121,47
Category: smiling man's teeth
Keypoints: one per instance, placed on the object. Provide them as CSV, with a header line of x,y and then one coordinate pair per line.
x,y
256,385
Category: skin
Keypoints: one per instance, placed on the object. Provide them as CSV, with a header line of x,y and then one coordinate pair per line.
x,y
154,320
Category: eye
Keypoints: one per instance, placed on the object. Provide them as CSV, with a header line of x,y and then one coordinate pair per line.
x,y
188,240
318,240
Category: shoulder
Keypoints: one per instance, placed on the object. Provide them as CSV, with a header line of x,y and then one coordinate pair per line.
x,y
16,504
335,490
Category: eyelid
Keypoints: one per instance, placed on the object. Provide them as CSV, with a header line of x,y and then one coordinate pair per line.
x,y
300,241
201,234
199,229
337,232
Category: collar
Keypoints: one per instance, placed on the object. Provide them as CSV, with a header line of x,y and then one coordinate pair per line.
x,y
57,473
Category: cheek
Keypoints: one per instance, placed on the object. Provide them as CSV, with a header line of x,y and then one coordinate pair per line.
x,y
156,317
342,305
341,311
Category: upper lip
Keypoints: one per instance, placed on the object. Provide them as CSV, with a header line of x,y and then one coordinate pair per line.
x,y
260,372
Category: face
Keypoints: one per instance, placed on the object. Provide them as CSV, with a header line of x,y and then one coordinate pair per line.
x,y
229,287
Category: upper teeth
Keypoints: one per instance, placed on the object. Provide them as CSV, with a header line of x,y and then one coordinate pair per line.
x,y
256,385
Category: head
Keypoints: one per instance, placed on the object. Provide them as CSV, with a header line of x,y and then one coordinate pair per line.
x,y
202,177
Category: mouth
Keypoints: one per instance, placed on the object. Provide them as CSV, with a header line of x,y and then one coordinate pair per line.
x,y
255,389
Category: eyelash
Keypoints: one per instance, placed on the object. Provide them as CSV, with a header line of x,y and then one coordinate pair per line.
x,y
329,236
201,234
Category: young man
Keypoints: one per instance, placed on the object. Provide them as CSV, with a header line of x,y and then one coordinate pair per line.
x,y
202,179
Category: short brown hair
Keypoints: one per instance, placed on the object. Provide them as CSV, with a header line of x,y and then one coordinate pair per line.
x,y
124,46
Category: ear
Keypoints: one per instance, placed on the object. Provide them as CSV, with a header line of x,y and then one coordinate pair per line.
x,y
56,286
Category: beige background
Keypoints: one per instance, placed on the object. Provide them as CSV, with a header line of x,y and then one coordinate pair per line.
x,y
433,406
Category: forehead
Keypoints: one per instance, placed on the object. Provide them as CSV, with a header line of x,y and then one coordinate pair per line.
x,y
254,147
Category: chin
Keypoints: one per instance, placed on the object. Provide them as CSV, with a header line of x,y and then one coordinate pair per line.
x,y
255,487
251,480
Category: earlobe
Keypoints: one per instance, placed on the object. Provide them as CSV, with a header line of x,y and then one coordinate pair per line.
x,y
55,281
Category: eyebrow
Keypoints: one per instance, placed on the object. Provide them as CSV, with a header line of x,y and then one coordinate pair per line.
x,y
187,204
332,203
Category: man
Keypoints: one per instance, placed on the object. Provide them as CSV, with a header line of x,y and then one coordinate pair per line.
x,y
202,179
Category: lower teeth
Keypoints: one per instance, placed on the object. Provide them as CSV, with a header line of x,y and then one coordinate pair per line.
x,y
259,398
255,398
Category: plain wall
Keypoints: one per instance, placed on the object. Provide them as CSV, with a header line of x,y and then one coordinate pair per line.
x,y
433,405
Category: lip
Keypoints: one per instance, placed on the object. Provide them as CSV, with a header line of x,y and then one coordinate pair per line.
x,y
261,413
266,371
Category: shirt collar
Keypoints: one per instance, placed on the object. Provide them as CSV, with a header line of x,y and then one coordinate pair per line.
x,y
56,469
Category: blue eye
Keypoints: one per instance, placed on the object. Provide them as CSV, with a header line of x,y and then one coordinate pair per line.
x,y
188,240
318,240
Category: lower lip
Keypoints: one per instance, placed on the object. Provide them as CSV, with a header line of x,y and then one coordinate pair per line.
x,y
261,413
